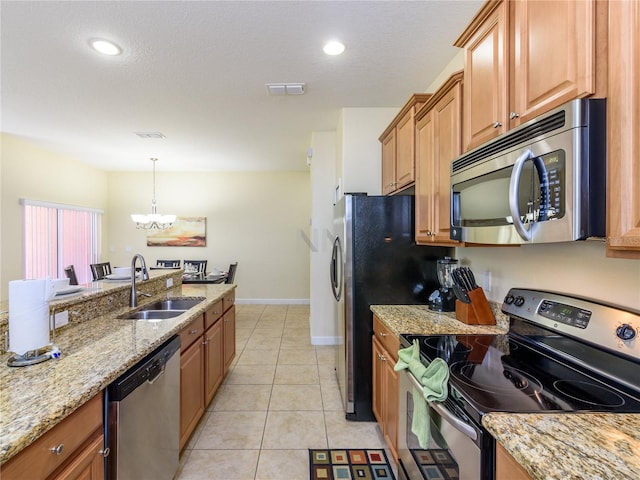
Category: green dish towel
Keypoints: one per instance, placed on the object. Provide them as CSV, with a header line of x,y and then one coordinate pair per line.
x,y
434,378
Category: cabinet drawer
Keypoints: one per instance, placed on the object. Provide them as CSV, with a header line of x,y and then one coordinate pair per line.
x,y
228,300
191,332
212,314
389,340
39,459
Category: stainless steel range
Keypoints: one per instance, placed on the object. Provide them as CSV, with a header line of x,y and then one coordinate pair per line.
x,y
562,354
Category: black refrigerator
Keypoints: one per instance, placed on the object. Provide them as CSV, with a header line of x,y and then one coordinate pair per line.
x,y
374,261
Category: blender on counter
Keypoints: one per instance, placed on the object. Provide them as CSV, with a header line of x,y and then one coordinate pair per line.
x,y
444,299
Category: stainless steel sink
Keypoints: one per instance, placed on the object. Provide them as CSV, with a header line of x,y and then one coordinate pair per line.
x,y
151,315
174,304
163,309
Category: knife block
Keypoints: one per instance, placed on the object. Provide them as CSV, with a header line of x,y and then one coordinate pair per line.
x,y
478,312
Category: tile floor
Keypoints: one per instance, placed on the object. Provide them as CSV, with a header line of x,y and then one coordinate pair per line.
x,y
279,399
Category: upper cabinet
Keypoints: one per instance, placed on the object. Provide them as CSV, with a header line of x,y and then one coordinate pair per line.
x,y
438,142
623,125
398,147
524,58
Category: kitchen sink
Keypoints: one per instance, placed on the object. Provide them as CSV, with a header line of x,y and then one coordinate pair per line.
x,y
173,304
151,315
162,309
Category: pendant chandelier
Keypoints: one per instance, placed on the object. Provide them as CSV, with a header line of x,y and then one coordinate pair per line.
x,y
154,220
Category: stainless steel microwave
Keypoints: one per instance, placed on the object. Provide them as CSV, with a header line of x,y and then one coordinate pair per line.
x,y
541,182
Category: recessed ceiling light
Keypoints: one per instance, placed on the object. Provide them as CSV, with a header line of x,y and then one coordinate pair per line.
x,y
333,48
105,46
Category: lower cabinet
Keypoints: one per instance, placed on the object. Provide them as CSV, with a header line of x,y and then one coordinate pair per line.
x,y
73,449
207,350
385,383
507,468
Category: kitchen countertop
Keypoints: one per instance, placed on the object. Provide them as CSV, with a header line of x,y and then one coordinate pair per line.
x,y
570,446
94,353
549,446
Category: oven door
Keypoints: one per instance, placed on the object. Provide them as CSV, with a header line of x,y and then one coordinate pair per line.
x,y
458,448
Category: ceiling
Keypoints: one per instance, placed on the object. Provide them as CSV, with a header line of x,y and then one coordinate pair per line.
x,y
196,71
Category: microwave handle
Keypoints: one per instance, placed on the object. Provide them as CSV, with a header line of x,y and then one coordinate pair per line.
x,y
514,193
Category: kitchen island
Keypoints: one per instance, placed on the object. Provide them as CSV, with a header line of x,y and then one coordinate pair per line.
x,y
549,446
96,350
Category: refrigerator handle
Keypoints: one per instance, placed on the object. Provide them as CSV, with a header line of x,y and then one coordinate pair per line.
x,y
335,269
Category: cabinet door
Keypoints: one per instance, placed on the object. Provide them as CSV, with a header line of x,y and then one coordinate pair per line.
x,y
553,52
378,387
623,125
389,163
391,387
229,336
213,361
405,150
447,136
425,155
485,80
191,389
87,464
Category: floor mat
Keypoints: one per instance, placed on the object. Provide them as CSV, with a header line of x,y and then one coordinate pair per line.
x,y
350,464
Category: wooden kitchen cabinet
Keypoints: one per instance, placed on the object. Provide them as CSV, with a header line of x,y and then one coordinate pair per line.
x,y
507,468
525,58
207,351
191,389
398,147
72,449
623,125
385,383
438,142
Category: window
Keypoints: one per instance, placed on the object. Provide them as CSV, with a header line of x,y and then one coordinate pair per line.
x,y
55,236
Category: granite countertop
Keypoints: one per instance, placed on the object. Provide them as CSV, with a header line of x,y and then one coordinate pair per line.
x,y
549,446
94,353
419,320
570,446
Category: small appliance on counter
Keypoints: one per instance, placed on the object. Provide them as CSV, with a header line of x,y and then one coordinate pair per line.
x,y
444,299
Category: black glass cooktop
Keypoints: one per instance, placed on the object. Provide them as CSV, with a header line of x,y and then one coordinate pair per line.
x,y
500,373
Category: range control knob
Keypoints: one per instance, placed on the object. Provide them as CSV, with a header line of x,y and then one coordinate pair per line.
x,y
519,301
509,299
625,332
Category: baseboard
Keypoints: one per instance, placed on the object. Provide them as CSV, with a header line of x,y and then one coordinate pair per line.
x,y
324,340
272,301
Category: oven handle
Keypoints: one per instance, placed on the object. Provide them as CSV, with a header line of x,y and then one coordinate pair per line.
x,y
458,424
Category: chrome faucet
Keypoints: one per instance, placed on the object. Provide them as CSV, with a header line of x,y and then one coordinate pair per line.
x,y
145,276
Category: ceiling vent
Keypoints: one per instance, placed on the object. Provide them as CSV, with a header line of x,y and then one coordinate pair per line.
x,y
285,88
150,134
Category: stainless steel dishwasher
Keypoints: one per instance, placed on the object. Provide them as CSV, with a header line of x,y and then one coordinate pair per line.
x,y
143,419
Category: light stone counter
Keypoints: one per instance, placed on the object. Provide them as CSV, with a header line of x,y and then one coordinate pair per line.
x,y
571,446
419,320
95,352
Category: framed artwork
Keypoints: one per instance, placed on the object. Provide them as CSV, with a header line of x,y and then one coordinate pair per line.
x,y
185,232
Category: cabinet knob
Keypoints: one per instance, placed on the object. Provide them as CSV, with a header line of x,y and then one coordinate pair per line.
x,y
497,124
383,358
193,332
57,450
104,452
382,334
513,115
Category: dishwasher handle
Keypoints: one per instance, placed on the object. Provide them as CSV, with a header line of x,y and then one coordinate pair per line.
x,y
155,370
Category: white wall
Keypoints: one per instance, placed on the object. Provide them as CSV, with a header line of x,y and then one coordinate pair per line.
x,y
38,174
322,315
259,219
359,154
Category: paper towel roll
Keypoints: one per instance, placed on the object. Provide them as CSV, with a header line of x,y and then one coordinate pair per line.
x,y
29,314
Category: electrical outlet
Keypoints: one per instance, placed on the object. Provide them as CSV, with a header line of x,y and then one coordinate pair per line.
x,y
61,318
169,282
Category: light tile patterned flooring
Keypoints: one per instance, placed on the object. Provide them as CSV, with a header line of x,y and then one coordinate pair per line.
x,y
279,399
